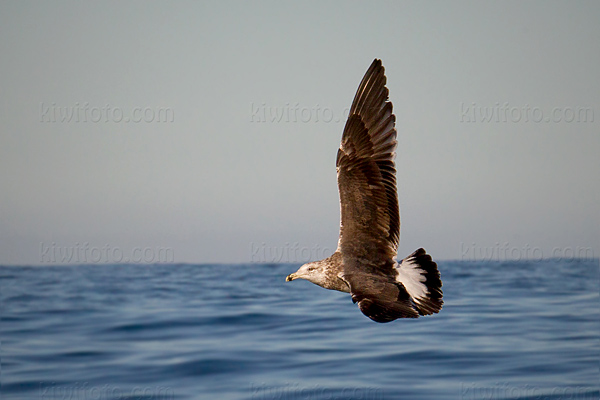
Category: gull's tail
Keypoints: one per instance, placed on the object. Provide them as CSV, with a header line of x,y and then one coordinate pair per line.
x,y
420,277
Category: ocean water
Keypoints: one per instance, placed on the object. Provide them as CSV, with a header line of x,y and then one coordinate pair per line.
x,y
508,330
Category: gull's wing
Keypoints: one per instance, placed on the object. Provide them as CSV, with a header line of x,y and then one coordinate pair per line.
x,y
370,220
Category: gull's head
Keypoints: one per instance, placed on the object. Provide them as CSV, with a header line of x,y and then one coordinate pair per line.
x,y
308,271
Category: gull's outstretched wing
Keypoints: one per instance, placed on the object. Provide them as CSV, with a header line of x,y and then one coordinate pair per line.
x,y
370,220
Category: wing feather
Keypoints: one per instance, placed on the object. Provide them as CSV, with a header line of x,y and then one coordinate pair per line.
x,y
370,218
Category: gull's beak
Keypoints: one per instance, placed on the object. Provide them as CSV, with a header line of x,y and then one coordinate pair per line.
x,y
290,278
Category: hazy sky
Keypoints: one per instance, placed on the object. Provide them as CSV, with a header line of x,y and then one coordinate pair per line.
x,y
208,131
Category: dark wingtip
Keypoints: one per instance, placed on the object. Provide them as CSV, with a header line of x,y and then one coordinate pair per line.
x,y
383,313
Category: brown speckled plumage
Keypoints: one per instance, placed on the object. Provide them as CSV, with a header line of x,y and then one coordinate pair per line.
x,y
364,263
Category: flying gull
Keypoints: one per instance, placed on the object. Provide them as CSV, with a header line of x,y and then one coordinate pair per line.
x,y
364,263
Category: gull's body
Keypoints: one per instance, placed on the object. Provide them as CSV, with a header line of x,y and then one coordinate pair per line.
x,y
364,263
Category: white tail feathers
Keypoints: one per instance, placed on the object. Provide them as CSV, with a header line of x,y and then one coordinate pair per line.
x,y
420,277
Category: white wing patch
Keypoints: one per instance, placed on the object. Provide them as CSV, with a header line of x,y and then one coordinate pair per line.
x,y
413,278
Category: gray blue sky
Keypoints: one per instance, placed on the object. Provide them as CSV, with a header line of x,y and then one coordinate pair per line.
x,y
207,131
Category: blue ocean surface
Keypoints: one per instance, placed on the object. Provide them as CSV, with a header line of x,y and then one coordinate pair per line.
x,y
508,330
